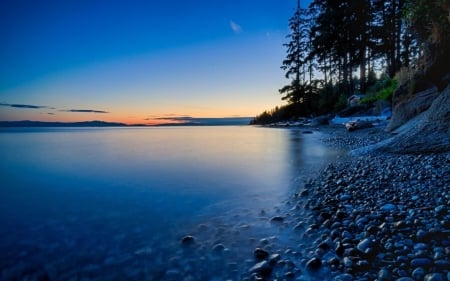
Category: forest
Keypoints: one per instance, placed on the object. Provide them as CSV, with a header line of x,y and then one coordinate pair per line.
x,y
372,48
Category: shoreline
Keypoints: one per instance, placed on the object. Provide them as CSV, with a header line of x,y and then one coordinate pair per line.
x,y
377,216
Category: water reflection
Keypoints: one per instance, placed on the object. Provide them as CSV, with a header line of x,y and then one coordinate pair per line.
x,y
97,196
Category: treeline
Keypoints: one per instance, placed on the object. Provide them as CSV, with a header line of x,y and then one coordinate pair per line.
x,y
340,47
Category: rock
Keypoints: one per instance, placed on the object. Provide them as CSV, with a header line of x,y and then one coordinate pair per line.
x,y
428,132
277,219
434,277
407,109
404,279
343,277
188,240
218,248
314,264
273,259
420,262
388,207
260,254
358,125
262,268
365,246
385,275
440,210
418,273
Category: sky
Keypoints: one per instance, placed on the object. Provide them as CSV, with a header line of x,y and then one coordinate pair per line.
x,y
140,62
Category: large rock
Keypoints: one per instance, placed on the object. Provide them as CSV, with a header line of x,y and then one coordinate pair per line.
x,y
408,109
426,133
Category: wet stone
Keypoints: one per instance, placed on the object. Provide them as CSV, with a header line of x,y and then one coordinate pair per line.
x,y
188,240
262,268
277,219
365,246
385,275
343,277
418,273
260,254
434,277
218,248
421,262
314,264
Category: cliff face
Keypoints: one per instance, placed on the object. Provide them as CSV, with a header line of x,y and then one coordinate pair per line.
x,y
427,132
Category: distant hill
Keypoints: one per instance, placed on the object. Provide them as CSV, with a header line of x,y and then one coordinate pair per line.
x,y
28,123
184,121
190,121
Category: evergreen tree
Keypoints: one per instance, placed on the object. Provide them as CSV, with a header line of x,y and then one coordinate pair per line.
x,y
295,64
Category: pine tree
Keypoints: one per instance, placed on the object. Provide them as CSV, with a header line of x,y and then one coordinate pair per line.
x,y
296,62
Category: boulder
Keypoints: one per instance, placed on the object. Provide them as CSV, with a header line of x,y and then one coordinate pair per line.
x,y
408,109
426,133
358,125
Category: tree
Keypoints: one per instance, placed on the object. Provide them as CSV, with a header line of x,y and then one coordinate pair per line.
x,y
295,64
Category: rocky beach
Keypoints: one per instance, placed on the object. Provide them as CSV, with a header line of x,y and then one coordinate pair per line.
x,y
376,216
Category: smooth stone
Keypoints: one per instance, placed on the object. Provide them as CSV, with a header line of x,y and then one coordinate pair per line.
x,y
277,219
404,279
440,210
274,258
260,254
343,277
434,277
314,264
418,273
388,207
262,267
365,246
188,240
420,262
442,263
218,248
420,246
384,275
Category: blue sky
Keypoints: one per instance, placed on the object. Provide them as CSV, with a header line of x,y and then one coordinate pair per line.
x,y
130,61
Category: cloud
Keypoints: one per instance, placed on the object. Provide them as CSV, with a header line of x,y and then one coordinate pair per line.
x,y
235,27
85,111
29,106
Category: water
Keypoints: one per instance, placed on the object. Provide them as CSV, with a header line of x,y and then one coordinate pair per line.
x,y
108,203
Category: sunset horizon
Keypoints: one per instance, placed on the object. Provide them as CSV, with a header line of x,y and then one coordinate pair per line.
x,y
132,63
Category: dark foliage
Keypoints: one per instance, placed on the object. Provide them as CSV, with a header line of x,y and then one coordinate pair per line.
x,y
347,42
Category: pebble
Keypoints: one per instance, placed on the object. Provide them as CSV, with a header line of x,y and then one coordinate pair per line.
x,y
260,254
188,240
314,264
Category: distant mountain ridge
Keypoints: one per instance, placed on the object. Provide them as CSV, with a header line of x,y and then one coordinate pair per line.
x,y
180,122
28,123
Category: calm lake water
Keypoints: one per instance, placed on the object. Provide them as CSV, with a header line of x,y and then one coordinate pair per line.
x,y
114,203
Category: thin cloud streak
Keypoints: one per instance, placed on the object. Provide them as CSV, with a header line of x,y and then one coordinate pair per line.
x,y
235,27
27,106
85,111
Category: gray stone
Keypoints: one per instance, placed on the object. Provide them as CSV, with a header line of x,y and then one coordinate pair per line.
x,y
262,268
420,262
388,207
314,264
434,277
188,240
365,246
385,275
418,273
343,277
260,254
